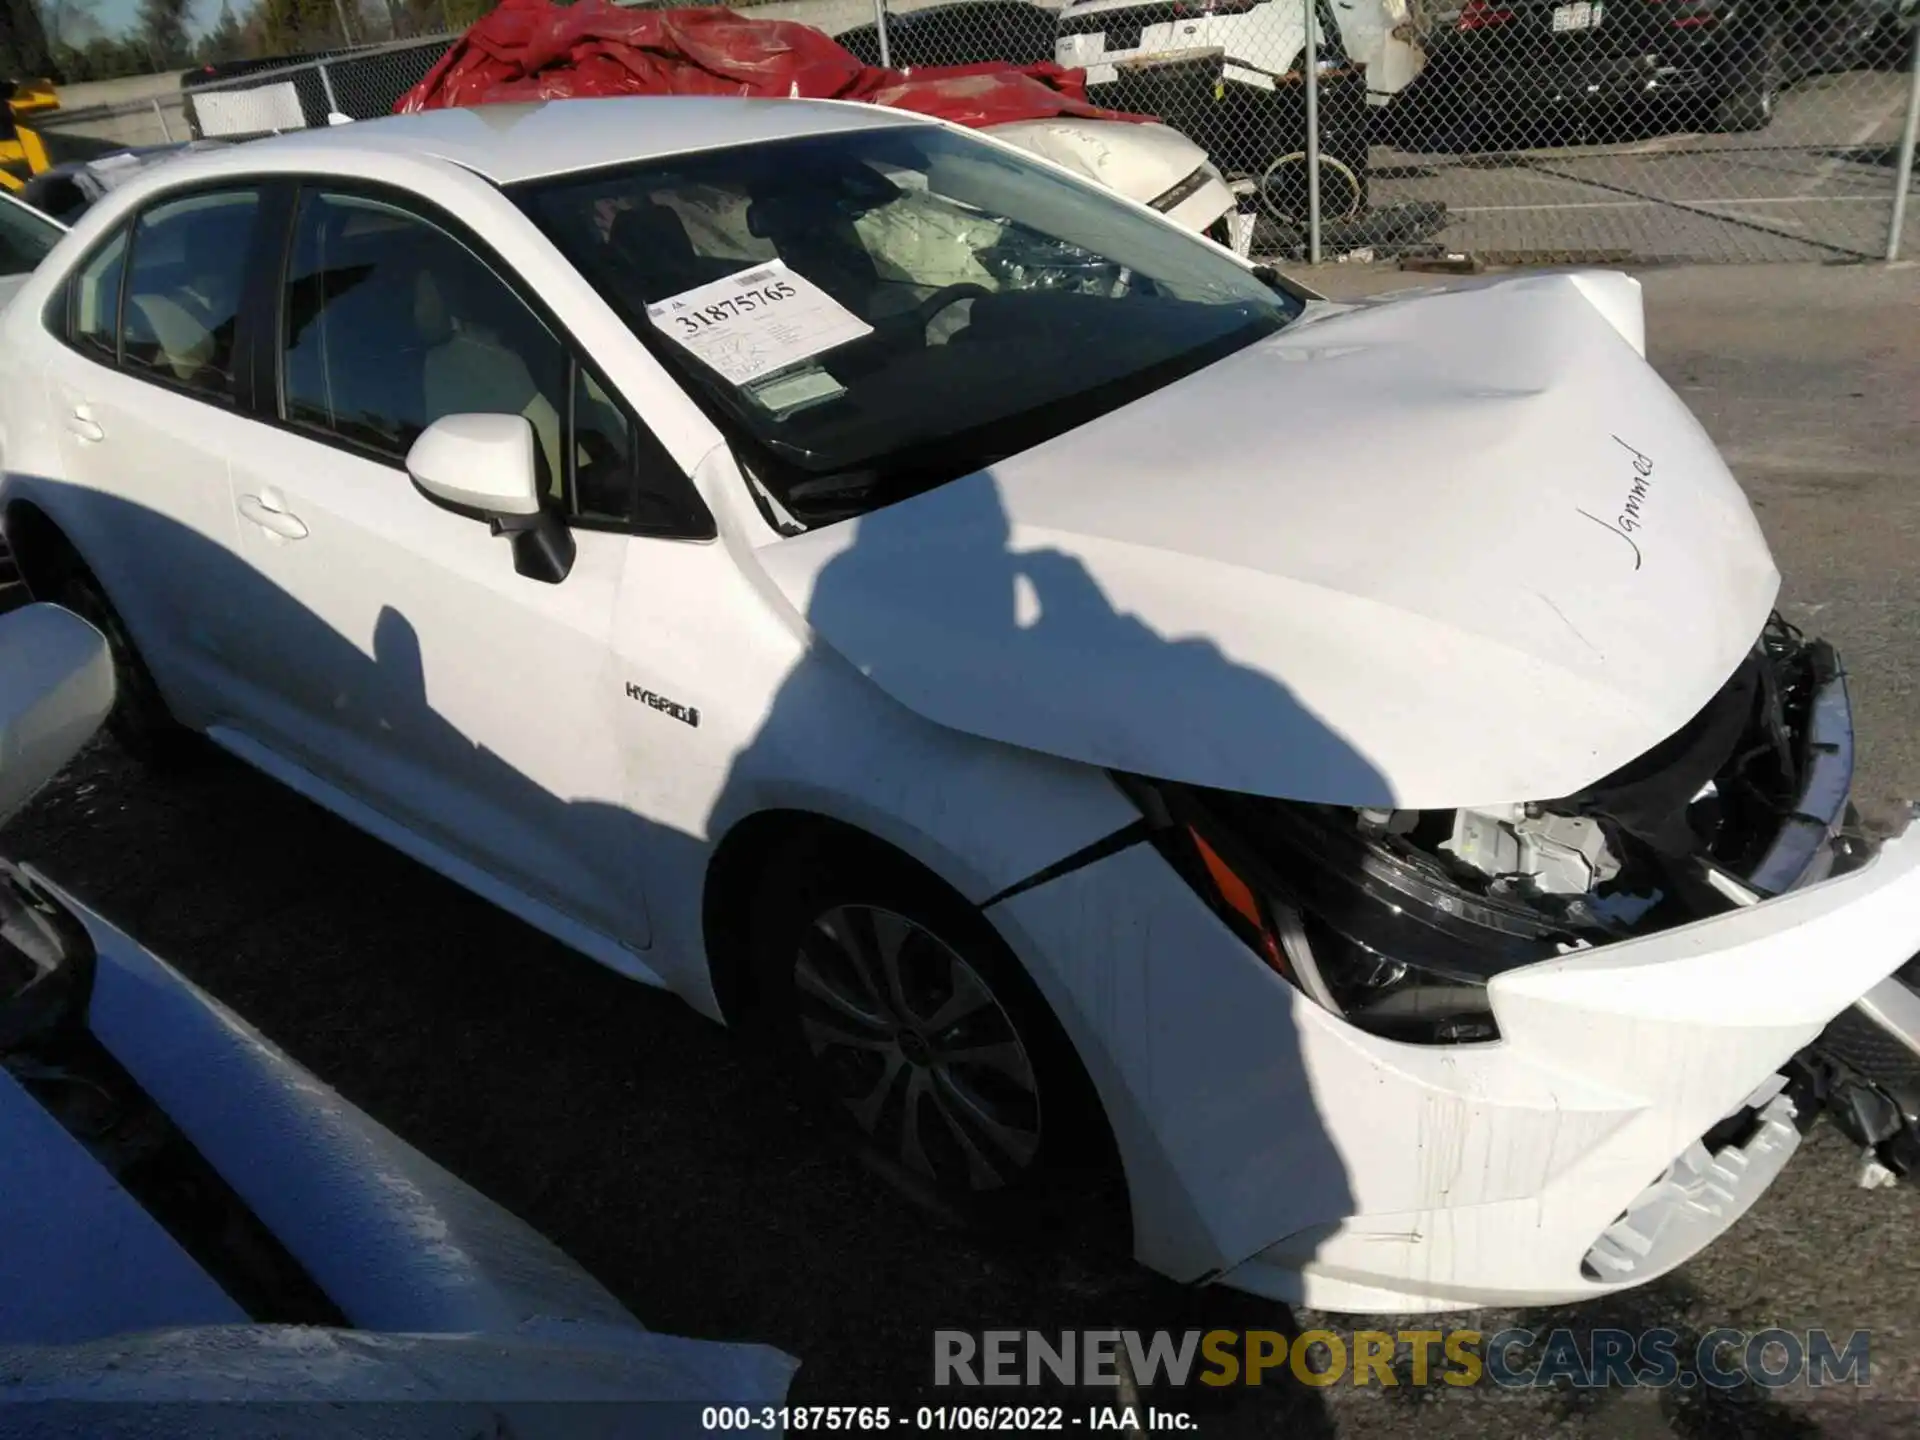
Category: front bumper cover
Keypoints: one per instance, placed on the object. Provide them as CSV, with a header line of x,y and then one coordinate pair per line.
x,y
1616,1062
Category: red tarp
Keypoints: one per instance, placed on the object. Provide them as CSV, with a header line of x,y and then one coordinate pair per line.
x,y
533,50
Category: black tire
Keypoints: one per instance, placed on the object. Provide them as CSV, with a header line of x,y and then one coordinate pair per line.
x,y
1047,1161
1751,103
140,722
1283,190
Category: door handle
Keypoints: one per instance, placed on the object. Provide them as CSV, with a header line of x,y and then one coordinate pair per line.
x,y
80,422
272,519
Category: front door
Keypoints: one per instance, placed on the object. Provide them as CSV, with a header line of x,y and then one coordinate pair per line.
x,y
398,655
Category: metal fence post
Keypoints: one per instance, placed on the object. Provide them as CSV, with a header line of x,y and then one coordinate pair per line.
x,y
1903,172
161,116
1310,61
326,89
880,27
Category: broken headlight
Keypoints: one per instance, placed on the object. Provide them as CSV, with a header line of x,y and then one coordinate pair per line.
x,y
1397,919
1375,932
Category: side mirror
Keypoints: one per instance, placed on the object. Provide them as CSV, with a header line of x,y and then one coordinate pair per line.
x,y
56,687
482,464
485,467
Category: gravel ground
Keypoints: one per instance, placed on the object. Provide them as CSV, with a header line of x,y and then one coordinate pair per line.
x,y
656,1152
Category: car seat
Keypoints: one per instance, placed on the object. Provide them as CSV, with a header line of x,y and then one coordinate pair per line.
x,y
470,366
355,357
653,240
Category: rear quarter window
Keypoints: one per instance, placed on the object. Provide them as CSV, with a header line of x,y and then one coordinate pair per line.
x,y
25,238
183,289
93,324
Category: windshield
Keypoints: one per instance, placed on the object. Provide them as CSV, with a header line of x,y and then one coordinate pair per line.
x,y
872,313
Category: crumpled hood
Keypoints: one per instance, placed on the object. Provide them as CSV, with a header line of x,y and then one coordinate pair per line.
x,y
1141,161
1457,549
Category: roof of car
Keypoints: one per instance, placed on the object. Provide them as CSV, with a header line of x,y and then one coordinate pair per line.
x,y
509,143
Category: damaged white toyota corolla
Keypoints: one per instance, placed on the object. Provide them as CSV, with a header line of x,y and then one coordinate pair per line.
x,y
1328,778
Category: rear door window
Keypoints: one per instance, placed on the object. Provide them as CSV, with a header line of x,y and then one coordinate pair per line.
x,y
184,283
94,324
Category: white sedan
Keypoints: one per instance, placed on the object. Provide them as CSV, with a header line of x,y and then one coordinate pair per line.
x,y
1324,780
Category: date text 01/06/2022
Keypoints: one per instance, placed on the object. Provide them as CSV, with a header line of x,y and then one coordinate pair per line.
x,y
978,1418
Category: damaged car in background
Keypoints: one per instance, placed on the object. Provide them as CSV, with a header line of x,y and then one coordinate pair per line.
x,y
1323,787
531,49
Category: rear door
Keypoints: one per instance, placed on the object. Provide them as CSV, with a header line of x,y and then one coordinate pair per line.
x,y
144,390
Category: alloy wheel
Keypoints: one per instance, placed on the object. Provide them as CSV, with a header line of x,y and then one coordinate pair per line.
x,y
914,1044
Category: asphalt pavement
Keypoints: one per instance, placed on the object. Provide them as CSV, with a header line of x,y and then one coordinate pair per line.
x,y
1816,184
659,1153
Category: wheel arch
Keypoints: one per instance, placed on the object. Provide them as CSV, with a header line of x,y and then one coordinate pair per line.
x,y
734,872
41,549
726,905
758,840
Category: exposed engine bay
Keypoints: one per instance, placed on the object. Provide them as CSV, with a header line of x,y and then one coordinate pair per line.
x,y
1747,800
1396,919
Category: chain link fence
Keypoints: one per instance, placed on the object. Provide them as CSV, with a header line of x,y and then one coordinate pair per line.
x,y
1514,131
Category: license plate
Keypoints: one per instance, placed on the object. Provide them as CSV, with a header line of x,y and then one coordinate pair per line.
x,y
1583,16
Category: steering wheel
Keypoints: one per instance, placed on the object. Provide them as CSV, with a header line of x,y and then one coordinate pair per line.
x,y
874,350
947,295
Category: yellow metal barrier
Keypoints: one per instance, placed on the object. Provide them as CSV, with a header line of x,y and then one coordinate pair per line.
x,y
23,154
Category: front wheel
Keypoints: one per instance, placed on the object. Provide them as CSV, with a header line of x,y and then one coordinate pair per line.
x,y
897,1005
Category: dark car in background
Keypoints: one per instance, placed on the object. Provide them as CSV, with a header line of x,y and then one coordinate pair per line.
x,y
1719,64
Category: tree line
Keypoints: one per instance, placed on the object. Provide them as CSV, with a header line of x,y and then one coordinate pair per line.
x,y
64,41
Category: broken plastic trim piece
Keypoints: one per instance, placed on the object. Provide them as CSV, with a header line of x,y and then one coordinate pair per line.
x,y
1698,1198
1866,1068
1827,776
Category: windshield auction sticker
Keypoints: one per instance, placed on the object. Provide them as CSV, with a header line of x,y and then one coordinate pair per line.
x,y
759,321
